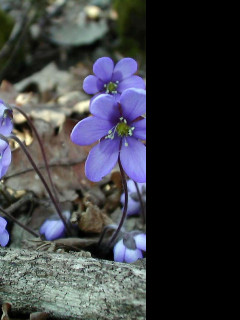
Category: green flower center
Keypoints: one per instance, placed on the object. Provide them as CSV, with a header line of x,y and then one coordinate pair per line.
x,y
111,87
122,129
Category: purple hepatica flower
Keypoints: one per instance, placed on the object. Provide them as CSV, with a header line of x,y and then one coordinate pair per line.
x,y
5,157
130,247
6,123
134,205
4,235
119,128
54,228
112,79
6,126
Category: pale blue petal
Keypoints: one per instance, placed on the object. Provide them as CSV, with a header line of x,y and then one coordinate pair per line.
x,y
133,103
132,82
124,68
140,240
103,69
140,129
4,238
89,130
54,230
3,224
133,159
102,159
119,251
133,206
92,84
133,255
105,107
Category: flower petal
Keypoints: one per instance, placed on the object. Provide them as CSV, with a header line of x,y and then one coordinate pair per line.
x,y
131,82
44,227
4,238
89,130
140,129
55,230
92,84
133,206
102,159
133,159
105,107
124,68
3,224
133,255
5,160
119,251
133,103
6,126
103,69
140,240
93,98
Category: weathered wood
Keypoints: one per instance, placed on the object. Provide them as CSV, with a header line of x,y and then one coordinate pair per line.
x,y
71,287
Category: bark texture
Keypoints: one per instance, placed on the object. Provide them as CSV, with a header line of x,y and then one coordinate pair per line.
x,y
71,287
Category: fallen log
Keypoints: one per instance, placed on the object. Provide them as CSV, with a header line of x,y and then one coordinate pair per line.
x,y
70,287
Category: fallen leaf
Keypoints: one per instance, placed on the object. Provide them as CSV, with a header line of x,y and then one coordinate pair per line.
x,y
66,159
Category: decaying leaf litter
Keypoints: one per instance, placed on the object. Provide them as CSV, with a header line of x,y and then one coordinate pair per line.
x,y
49,90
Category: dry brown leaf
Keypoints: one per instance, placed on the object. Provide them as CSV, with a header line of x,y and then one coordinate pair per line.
x,y
67,161
93,219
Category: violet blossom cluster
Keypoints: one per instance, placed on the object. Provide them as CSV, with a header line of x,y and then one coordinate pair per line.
x,y
118,124
112,79
130,247
6,126
4,235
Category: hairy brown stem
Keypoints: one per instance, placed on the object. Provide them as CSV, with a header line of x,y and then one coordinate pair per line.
x,y
124,182
41,147
42,179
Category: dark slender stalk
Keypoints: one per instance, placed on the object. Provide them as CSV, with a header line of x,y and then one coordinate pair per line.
x,y
41,147
8,215
105,229
42,179
141,202
124,182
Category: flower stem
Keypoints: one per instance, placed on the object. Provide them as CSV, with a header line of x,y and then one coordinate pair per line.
x,y
124,182
42,179
41,147
8,215
141,202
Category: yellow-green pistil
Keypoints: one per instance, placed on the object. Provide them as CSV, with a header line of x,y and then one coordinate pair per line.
x,y
111,87
122,129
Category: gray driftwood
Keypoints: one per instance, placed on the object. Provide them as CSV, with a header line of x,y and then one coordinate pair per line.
x,y
71,287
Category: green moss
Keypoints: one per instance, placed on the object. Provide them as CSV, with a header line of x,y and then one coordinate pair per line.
x,y
131,26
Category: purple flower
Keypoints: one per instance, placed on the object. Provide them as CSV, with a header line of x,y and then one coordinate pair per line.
x,y
4,235
6,123
54,228
112,79
5,157
119,128
6,126
134,205
130,247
